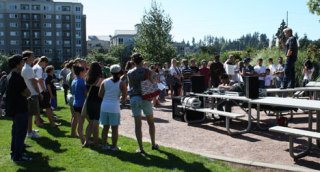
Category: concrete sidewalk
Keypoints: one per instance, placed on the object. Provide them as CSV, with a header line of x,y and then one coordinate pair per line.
x,y
210,139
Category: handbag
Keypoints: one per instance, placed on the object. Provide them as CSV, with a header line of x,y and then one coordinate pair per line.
x,y
84,111
149,89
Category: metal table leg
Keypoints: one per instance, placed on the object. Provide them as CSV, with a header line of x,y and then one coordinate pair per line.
x,y
305,152
242,131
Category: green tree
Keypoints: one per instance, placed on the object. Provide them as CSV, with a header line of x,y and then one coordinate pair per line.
x,y
120,52
101,57
280,34
4,63
153,40
314,6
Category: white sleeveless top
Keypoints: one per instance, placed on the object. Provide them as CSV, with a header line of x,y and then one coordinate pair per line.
x,y
111,98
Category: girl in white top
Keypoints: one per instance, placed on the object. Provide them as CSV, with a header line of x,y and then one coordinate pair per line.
x,y
110,91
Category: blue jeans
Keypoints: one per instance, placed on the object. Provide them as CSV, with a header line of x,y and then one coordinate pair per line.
x,y
289,73
19,132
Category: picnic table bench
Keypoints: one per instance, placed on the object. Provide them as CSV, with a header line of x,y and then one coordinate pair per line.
x,y
294,133
228,115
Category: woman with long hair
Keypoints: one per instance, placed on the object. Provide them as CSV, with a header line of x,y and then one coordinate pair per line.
x,y
93,82
110,91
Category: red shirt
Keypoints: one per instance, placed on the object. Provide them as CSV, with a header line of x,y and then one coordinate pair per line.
x,y
206,73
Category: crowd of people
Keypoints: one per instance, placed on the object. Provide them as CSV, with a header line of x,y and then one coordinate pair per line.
x,y
96,92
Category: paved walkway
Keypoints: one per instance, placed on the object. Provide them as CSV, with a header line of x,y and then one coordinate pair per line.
x,y
211,139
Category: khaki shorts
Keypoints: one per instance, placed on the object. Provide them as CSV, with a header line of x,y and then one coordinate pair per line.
x,y
33,105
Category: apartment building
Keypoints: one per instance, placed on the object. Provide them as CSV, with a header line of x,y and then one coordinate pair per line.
x,y
54,29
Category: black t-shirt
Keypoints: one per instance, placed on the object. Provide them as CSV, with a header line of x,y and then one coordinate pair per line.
x,y
15,101
194,69
50,81
292,45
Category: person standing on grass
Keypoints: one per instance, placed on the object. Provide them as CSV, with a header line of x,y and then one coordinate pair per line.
x,y
79,92
63,75
93,81
45,99
135,77
186,77
110,90
50,85
33,101
17,107
70,97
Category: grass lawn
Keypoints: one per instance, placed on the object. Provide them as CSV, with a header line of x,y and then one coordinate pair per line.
x,y
56,151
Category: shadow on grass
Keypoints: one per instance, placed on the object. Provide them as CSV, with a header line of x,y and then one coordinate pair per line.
x,y
49,144
172,162
38,163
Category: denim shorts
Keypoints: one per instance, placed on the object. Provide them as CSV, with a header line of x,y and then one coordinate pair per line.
x,y
107,118
138,104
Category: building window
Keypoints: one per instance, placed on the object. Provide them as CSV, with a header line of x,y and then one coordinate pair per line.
x,y
78,42
48,34
13,24
66,42
48,51
58,33
120,40
1,33
47,8
12,6
26,42
78,9
25,25
14,51
36,17
58,25
67,26
66,8
24,6
58,17
78,52
78,34
59,51
1,16
25,16
1,42
36,42
36,34
78,25
35,7
13,42
13,16
78,17
13,33
58,8
66,34
48,42
25,34
47,25
59,43
47,16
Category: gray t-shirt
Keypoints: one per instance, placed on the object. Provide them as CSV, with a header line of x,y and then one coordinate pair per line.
x,y
63,74
135,76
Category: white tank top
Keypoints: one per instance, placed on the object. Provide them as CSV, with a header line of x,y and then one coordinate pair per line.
x,y
111,98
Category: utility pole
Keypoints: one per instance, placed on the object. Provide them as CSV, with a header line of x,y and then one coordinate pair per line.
x,y
287,19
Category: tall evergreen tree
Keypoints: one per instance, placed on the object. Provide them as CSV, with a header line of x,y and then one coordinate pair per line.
x,y
153,40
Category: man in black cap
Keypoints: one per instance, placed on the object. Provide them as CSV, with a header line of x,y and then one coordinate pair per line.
x,y
17,107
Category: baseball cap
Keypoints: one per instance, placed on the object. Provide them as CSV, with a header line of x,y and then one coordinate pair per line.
x,y
115,68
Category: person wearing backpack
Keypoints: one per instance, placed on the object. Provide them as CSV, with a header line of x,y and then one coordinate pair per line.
x,y
17,107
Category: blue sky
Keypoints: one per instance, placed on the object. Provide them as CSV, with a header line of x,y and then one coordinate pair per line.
x,y
191,18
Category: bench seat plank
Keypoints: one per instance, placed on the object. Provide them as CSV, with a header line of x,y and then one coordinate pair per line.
x,y
213,111
296,132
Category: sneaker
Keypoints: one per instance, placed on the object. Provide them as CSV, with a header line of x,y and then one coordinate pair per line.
x,y
155,147
106,147
116,148
33,135
22,159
